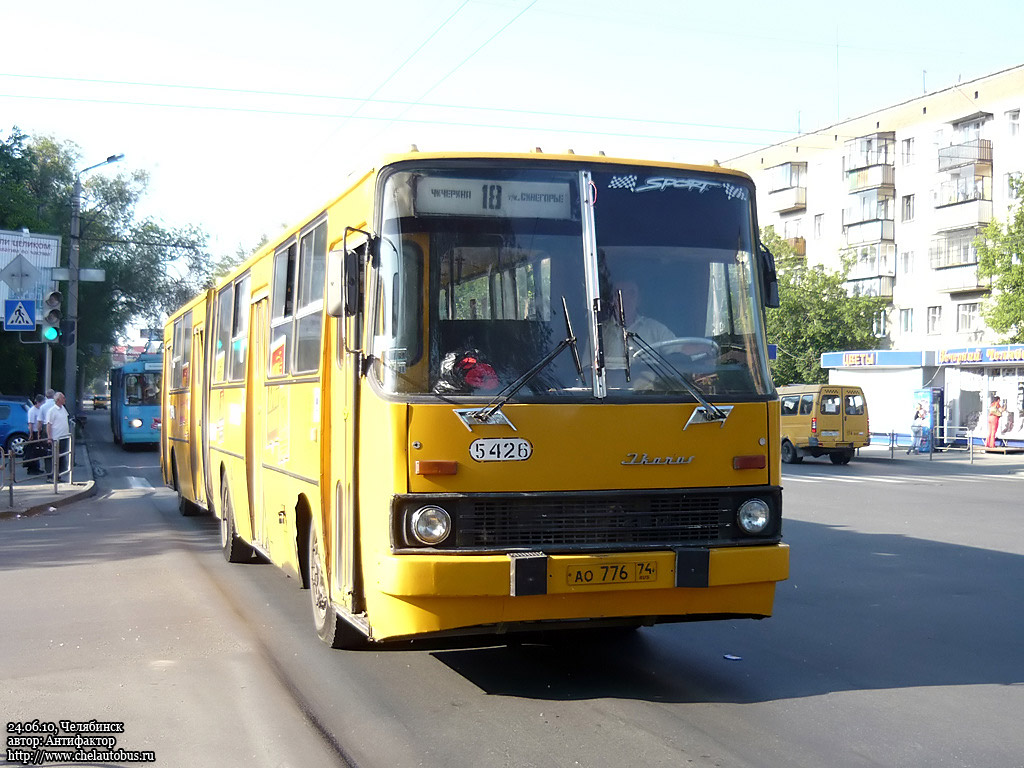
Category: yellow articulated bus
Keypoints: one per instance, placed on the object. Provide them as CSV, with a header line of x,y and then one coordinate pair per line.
x,y
490,393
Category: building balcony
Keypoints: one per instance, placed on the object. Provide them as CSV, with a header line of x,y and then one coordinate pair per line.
x,y
873,177
869,231
953,249
867,151
962,278
788,200
977,151
962,214
880,286
798,244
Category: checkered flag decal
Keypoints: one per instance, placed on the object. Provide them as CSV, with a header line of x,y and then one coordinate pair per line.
x,y
622,182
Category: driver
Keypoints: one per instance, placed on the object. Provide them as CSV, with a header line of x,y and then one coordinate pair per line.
x,y
647,328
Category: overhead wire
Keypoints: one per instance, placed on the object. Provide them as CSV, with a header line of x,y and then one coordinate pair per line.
x,y
422,121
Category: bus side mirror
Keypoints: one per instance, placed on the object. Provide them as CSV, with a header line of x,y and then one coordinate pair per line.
x,y
343,266
336,273
770,278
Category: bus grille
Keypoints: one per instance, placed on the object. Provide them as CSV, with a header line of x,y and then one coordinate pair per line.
x,y
627,521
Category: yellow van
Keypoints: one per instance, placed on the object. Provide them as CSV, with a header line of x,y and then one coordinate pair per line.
x,y
823,419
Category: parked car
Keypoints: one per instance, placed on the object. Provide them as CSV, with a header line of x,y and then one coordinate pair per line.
x,y
13,425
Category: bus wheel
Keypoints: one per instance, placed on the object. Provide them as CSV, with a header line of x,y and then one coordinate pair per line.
x,y
235,550
331,627
789,453
185,507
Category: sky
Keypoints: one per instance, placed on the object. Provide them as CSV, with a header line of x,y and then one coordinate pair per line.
x,y
250,115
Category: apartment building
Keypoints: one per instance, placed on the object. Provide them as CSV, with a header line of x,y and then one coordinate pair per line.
x,y
902,193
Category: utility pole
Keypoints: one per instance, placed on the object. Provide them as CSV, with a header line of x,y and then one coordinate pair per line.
x,y
71,355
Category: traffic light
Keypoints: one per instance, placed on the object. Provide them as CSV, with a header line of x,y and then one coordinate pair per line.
x,y
52,317
68,328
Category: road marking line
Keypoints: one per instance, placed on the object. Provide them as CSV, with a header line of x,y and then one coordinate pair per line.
x,y
138,482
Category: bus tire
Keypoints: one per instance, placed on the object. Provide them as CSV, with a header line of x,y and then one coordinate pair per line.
x,y
332,628
789,453
234,548
185,507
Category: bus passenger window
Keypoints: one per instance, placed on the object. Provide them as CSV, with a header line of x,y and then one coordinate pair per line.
x,y
309,308
281,311
789,404
806,405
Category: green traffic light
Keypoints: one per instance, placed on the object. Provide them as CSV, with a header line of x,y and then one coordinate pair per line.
x,y
50,333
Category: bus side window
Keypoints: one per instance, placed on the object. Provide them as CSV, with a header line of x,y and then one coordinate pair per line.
x,y
806,405
789,405
309,307
282,308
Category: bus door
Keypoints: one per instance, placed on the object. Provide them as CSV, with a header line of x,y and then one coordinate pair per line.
x,y
197,423
255,407
830,415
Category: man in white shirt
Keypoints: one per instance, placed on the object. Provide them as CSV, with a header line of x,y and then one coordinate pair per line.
x,y
58,431
35,432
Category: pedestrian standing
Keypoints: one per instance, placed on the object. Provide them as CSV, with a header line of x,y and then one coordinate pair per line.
x,y
995,411
58,432
44,410
33,448
917,429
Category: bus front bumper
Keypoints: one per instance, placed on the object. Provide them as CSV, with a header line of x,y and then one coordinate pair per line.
x,y
531,574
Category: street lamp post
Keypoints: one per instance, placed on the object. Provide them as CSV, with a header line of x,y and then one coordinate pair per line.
x,y
71,356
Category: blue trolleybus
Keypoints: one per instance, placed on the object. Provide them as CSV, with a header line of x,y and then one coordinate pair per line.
x,y
135,400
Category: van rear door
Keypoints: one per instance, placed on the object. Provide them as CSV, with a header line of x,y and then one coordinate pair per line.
x,y
830,416
855,417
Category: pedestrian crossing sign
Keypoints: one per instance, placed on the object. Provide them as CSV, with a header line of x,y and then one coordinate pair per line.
x,y
19,315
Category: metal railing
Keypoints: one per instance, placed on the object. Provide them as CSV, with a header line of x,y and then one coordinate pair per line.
x,y
60,455
938,440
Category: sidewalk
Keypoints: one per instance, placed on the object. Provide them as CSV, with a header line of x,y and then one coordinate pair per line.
x,y
996,461
33,494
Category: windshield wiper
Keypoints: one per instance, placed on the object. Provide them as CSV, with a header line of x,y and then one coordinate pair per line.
x,y
485,414
664,368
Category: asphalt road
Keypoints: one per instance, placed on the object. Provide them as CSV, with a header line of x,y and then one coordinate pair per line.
x,y
896,642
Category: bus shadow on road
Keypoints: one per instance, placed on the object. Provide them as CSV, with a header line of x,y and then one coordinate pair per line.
x,y
859,612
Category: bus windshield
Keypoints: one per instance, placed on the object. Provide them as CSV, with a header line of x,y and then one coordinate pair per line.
x,y
655,270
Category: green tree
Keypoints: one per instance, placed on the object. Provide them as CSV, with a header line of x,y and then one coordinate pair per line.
x,y
816,315
150,268
1001,259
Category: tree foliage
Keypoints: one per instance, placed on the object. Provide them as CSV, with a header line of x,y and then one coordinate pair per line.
x,y
1001,258
816,315
150,268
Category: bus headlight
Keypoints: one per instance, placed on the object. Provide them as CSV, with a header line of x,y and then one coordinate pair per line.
x,y
430,525
135,423
754,516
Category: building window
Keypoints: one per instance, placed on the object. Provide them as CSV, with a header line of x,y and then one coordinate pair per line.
x,y
934,320
818,219
908,152
1013,122
906,262
968,317
880,326
908,208
1013,184
906,321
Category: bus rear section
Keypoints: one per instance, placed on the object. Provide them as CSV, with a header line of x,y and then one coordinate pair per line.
x,y
564,417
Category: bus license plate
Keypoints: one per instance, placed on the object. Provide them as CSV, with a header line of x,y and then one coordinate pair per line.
x,y
629,572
